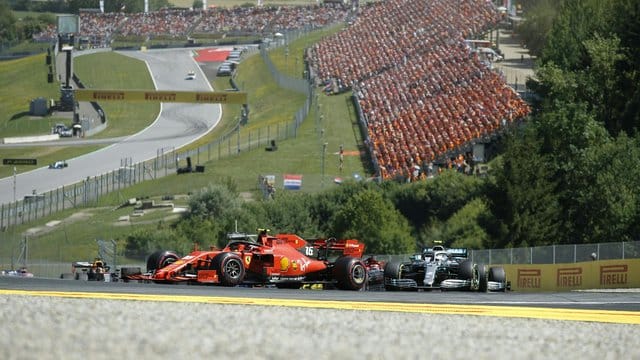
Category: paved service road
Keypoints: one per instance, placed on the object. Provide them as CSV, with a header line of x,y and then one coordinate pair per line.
x,y
177,125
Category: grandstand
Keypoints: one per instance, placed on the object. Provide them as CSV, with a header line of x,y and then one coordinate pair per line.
x,y
422,93
98,29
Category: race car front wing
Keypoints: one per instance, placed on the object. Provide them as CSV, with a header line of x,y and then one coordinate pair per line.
x,y
448,284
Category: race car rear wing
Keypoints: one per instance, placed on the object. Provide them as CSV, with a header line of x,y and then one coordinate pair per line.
x,y
458,252
454,252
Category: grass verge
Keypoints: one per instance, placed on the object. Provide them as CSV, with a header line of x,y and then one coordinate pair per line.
x,y
111,70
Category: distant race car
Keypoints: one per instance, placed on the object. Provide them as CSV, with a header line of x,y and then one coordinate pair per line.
x,y
445,269
191,75
22,272
283,260
58,165
91,270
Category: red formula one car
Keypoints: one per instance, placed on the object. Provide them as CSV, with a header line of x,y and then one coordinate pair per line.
x,y
283,260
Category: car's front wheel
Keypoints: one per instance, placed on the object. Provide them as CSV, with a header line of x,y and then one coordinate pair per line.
x,y
229,267
159,259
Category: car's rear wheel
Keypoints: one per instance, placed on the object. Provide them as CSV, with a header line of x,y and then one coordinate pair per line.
x,y
497,274
483,278
350,273
230,268
160,259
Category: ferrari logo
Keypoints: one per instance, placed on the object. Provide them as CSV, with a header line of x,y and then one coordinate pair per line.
x,y
247,260
294,264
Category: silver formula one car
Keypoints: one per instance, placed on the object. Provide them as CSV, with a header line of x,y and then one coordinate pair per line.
x,y
444,269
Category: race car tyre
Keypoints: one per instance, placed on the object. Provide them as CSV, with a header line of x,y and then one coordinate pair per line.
x,y
350,273
497,274
160,259
483,278
229,267
466,270
392,270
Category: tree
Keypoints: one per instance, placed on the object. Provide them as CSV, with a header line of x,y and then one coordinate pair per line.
x,y
289,212
463,230
524,203
212,202
7,22
435,200
538,23
602,81
369,217
325,205
607,197
576,22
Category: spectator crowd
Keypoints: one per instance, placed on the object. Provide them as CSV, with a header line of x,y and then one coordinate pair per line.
x,y
269,20
99,28
424,94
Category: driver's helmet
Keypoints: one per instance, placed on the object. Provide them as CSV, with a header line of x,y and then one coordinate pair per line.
x,y
441,256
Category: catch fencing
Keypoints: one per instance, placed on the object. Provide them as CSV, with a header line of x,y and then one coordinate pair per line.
x,y
559,254
552,254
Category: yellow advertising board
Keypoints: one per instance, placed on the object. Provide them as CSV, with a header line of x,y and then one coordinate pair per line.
x,y
198,97
604,274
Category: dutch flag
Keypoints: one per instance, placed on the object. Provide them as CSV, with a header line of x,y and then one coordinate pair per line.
x,y
292,182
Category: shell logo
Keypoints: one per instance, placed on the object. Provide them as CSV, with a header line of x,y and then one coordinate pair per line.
x,y
247,260
284,264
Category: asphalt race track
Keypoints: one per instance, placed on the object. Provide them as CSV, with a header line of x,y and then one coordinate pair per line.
x,y
178,124
600,301
69,319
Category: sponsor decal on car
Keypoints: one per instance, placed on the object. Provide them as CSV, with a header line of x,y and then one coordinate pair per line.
x,y
284,264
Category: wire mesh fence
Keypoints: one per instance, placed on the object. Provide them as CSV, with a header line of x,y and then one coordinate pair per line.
x,y
558,254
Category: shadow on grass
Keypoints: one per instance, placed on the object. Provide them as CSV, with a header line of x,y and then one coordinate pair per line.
x,y
19,115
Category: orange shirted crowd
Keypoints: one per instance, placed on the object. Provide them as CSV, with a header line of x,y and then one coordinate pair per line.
x,y
423,93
